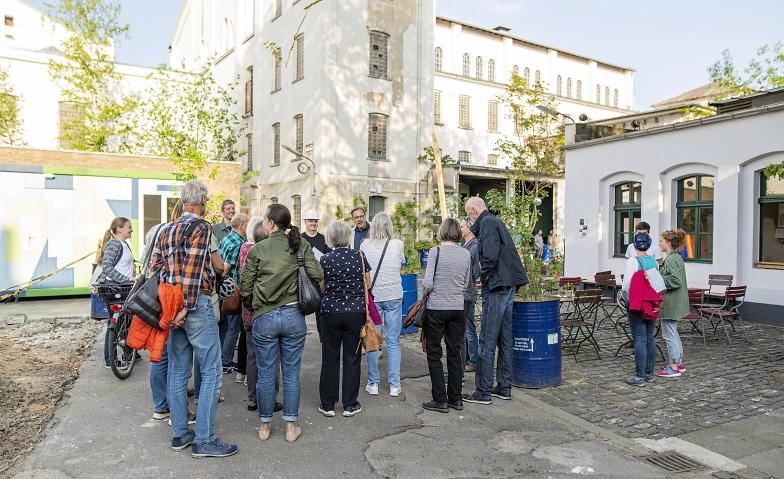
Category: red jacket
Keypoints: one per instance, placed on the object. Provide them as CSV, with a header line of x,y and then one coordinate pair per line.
x,y
141,335
643,298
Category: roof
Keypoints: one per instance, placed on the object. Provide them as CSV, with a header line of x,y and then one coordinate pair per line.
x,y
709,91
758,94
506,34
635,115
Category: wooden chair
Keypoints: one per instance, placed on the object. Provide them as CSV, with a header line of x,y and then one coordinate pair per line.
x,y
574,281
694,316
733,299
582,320
717,284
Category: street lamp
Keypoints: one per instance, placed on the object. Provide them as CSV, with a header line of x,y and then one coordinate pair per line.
x,y
552,112
303,167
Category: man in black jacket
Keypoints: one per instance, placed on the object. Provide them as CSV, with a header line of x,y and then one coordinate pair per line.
x,y
501,274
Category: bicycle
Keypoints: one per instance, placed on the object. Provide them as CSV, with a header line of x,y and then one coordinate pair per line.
x,y
121,356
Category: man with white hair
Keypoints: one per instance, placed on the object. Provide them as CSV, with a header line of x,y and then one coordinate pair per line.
x,y
501,272
182,255
230,254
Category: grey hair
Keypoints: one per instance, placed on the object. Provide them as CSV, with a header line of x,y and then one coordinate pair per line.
x,y
338,235
381,228
238,220
450,231
259,234
252,226
192,193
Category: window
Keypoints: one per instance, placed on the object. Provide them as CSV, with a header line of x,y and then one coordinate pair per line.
x,y
278,8
437,108
296,211
249,93
598,94
439,59
276,144
71,116
377,136
464,156
615,98
569,87
695,216
466,64
516,70
298,143
464,114
491,70
628,211
249,155
300,72
579,90
377,204
277,59
538,77
9,21
492,115
558,86
378,55
607,96
152,212
771,201
479,68
492,160
527,76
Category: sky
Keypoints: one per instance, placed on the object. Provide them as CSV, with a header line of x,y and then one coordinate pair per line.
x,y
670,44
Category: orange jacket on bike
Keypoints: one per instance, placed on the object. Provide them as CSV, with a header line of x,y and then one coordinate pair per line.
x,y
142,335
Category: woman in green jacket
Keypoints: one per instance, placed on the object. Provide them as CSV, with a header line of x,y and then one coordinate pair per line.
x,y
676,300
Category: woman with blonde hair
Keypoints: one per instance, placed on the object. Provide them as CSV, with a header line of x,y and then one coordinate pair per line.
x,y
384,254
676,300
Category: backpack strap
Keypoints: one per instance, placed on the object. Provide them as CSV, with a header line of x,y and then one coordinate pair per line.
x,y
189,231
378,268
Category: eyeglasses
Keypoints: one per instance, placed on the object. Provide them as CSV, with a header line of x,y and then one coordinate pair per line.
x,y
358,217
468,221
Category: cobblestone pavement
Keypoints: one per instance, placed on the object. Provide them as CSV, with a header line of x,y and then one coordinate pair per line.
x,y
721,383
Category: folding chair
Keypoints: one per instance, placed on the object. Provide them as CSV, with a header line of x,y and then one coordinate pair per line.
x,y
609,287
582,320
717,284
735,295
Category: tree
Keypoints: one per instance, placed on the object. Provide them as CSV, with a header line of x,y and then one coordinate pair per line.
x,y
87,75
11,123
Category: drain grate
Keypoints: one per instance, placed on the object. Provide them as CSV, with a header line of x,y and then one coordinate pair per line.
x,y
672,461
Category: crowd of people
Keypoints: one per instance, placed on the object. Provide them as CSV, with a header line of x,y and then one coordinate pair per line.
x,y
261,258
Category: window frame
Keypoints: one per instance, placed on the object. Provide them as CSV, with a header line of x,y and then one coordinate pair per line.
x,y
579,90
439,59
299,70
276,71
559,85
538,77
278,5
466,65
491,70
569,87
249,154
381,40
527,76
630,209
765,199
384,156
698,205
492,159
460,113
249,93
606,96
437,108
275,144
492,116
480,68
615,98
299,135
598,94
464,157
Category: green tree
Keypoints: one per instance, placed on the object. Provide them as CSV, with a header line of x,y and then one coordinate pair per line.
x,y
11,123
87,75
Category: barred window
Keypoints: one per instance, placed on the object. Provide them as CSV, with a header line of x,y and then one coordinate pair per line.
x,y
491,70
466,64
492,115
71,116
300,73
569,87
527,76
464,114
277,59
607,96
377,136
296,211
479,68
579,90
492,160
464,156
538,77
276,144
298,143
249,93
278,8
558,83
437,108
615,98
249,156
439,59
379,43
599,94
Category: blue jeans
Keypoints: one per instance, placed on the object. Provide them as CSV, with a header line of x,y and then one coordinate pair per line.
x,y
197,336
234,323
644,347
496,332
279,335
159,375
392,312
471,339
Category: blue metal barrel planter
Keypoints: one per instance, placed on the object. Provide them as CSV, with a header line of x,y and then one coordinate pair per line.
x,y
410,296
423,255
536,344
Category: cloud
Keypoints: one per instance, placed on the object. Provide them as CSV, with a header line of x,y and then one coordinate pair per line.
x,y
506,8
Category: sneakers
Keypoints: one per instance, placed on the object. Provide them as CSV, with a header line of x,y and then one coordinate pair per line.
x,y
668,372
395,391
327,413
475,398
240,378
436,406
351,410
229,370
470,368
635,381
214,448
161,415
649,378
497,392
252,405
180,443
457,405
681,368
372,389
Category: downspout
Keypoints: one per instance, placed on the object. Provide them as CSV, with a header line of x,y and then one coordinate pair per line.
x,y
419,103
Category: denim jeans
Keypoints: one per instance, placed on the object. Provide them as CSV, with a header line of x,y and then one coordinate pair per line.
x,y
644,347
279,335
233,325
197,336
673,340
392,312
471,338
496,332
159,375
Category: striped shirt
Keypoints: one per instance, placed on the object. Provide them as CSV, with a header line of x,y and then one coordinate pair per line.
x,y
189,265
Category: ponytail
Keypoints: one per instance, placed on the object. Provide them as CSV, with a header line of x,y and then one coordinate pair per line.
x,y
106,237
118,222
295,239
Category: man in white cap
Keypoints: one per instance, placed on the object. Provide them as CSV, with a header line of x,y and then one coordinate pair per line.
x,y
311,234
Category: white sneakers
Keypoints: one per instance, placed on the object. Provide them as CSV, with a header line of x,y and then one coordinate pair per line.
x,y
372,389
395,391
240,378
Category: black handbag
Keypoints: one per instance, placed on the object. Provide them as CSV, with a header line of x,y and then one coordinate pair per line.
x,y
308,291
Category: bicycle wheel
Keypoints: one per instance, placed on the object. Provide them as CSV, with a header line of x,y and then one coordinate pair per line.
x,y
124,355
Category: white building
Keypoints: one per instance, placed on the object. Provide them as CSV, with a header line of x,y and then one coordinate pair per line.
x,y
363,84
704,176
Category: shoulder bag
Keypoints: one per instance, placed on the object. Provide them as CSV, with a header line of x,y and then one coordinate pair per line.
x,y
308,291
369,337
233,304
371,300
418,311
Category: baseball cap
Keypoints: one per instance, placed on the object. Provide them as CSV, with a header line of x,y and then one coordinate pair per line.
x,y
310,215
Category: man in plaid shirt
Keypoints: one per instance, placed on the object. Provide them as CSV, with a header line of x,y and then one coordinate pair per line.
x,y
193,330
230,254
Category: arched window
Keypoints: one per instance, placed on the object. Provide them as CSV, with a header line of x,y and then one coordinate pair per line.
x,y
599,94
516,70
479,67
466,64
627,210
527,76
615,98
491,70
439,59
558,83
538,77
569,87
607,96
695,216
579,95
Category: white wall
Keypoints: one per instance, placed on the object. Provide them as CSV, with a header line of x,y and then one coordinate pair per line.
x,y
31,31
